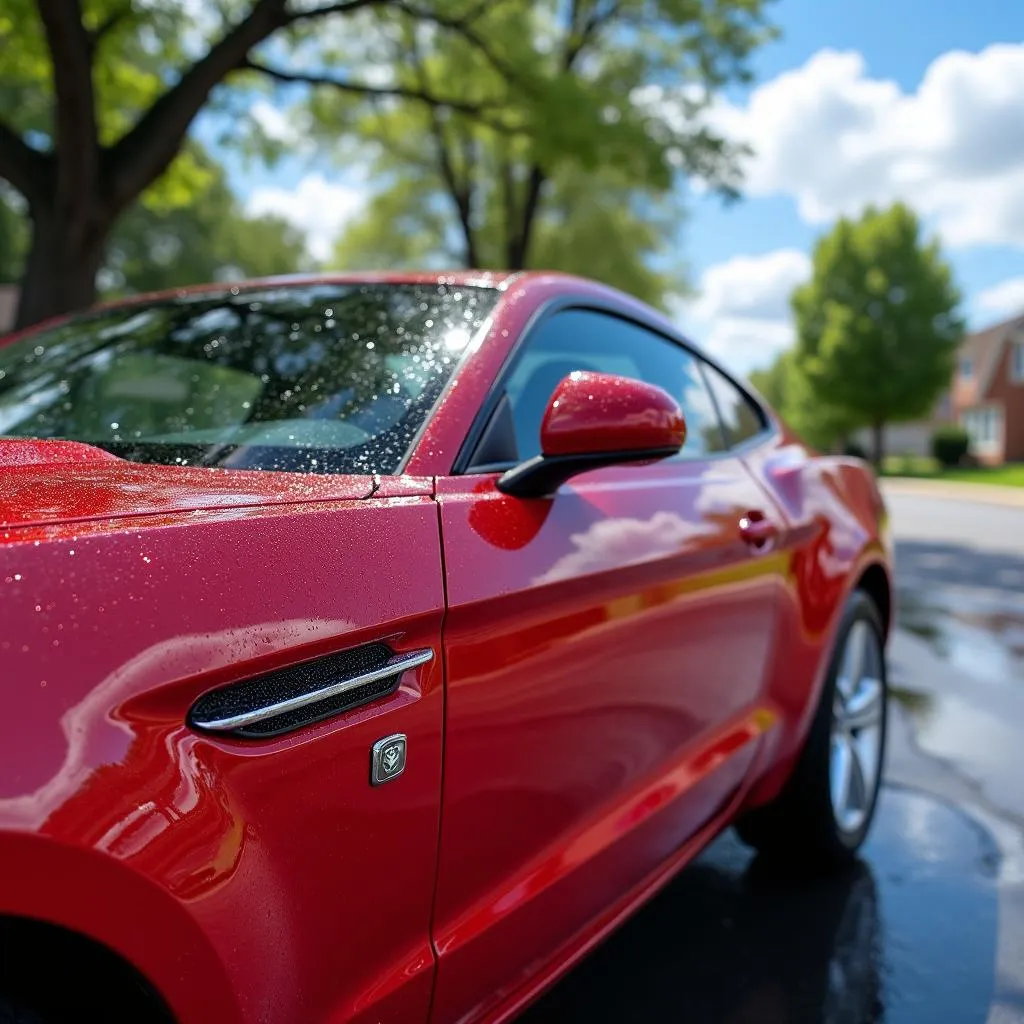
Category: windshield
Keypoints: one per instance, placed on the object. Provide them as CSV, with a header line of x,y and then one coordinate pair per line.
x,y
326,378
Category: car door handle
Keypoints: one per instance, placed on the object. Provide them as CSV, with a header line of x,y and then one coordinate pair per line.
x,y
758,531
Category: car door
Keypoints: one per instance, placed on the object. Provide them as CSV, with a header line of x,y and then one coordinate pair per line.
x,y
604,653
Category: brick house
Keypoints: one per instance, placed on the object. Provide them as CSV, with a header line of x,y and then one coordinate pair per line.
x,y
987,392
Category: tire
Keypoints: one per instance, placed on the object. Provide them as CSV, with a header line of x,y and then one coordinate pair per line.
x,y
810,826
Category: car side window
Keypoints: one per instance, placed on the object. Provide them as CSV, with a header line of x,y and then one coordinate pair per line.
x,y
580,339
741,418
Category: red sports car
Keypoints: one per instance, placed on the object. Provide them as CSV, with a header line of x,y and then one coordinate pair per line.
x,y
372,646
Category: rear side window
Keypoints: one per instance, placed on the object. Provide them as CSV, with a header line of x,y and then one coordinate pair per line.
x,y
741,418
580,339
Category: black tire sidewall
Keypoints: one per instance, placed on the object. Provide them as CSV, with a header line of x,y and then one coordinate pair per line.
x,y
798,829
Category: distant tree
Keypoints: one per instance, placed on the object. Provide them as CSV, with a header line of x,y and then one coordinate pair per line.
x,y
824,425
787,389
772,381
877,324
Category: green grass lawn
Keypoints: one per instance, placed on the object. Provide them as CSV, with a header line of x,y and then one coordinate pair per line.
x,y
912,465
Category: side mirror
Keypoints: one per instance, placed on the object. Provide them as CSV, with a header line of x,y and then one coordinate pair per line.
x,y
594,420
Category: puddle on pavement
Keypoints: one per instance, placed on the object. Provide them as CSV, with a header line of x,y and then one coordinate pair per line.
x,y
963,687
978,634
906,937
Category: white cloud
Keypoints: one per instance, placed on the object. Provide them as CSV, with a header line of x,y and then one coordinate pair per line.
x,y
742,313
752,287
1003,299
745,345
274,121
836,139
317,206
613,543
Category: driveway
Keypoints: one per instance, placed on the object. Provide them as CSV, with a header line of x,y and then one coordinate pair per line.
x,y
930,927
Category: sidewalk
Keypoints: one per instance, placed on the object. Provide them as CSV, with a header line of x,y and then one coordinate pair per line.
x,y
989,494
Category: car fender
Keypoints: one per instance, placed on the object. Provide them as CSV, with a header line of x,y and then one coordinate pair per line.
x,y
838,537
95,895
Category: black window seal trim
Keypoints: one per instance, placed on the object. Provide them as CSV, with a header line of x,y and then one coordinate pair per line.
x,y
562,303
723,426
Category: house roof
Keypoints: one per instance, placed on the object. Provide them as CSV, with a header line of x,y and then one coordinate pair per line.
x,y
985,349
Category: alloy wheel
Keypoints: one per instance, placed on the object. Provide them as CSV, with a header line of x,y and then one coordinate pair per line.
x,y
856,739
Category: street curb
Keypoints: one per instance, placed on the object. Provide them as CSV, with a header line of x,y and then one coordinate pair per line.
x,y
989,494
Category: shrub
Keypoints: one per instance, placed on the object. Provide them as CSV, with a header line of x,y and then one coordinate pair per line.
x,y
950,445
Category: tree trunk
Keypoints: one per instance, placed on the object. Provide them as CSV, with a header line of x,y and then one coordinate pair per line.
x,y
77,187
877,444
471,256
519,239
64,257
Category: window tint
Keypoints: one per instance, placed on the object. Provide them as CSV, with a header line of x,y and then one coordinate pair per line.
x,y
584,340
327,378
741,418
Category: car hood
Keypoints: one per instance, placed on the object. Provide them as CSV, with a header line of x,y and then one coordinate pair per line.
x,y
52,482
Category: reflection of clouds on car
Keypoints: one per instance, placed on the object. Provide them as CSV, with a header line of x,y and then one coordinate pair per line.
x,y
95,721
611,543
713,503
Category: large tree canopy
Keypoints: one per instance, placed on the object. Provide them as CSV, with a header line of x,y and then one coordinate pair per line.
x,y
877,324
573,140
590,224
97,98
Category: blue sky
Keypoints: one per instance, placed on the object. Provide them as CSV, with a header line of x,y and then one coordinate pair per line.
x,y
910,91
860,101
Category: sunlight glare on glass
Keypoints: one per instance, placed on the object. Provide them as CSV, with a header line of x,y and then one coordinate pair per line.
x,y
457,339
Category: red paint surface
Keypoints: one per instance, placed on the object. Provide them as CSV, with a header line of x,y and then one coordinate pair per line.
x,y
28,451
274,851
622,667
598,412
595,673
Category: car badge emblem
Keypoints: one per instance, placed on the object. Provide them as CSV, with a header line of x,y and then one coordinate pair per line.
x,y
387,760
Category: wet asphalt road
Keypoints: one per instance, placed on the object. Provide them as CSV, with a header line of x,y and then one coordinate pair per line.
x,y
929,928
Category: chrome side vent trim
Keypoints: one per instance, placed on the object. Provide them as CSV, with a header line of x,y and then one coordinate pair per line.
x,y
296,696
